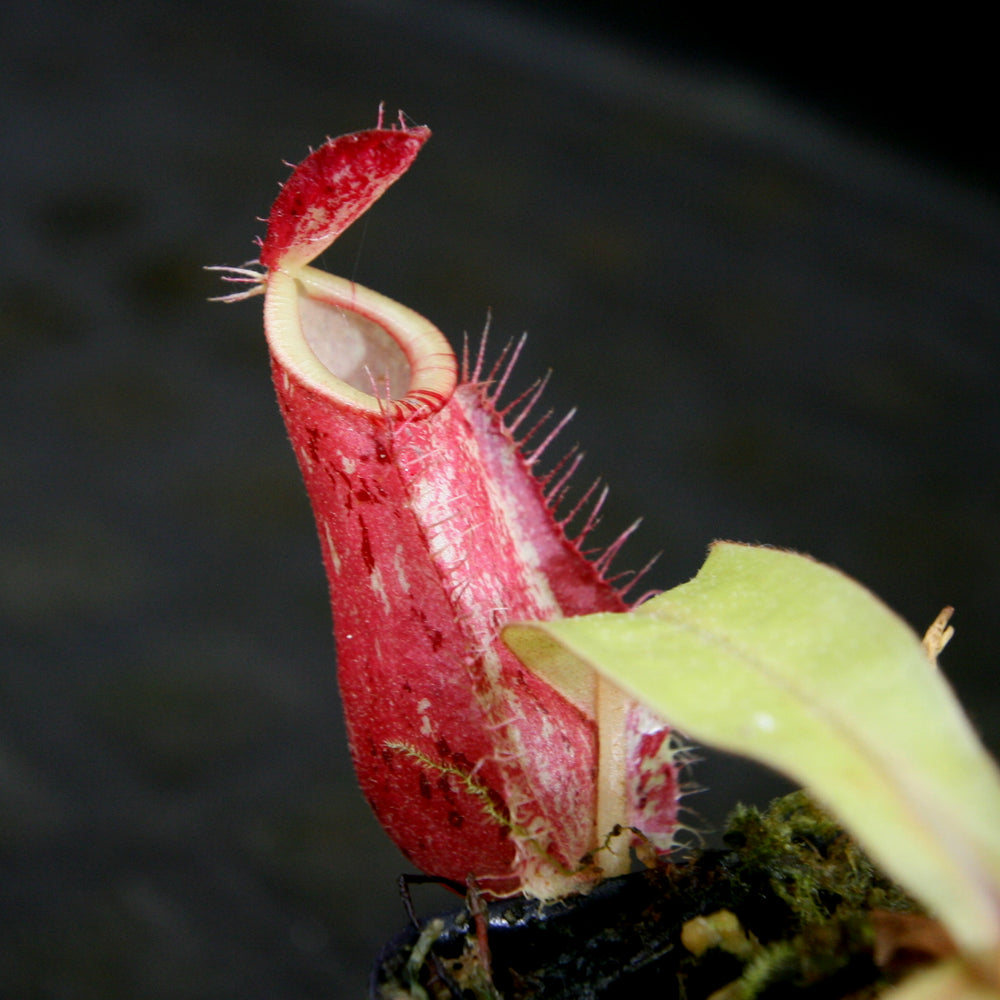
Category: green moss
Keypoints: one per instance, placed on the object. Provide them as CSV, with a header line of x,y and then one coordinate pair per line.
x,y
805,890
783,911
807,860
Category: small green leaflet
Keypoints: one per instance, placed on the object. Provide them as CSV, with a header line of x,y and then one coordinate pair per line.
x,y
775,656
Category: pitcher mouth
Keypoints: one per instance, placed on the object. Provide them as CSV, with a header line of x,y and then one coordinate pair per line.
x,y
363,350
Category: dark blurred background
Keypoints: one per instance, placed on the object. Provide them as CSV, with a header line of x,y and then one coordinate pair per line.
x,y
762,258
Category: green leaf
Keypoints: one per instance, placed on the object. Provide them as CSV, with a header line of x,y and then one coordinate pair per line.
x,y
777,657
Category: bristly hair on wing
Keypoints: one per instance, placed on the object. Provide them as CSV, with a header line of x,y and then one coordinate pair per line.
x,y
556,483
